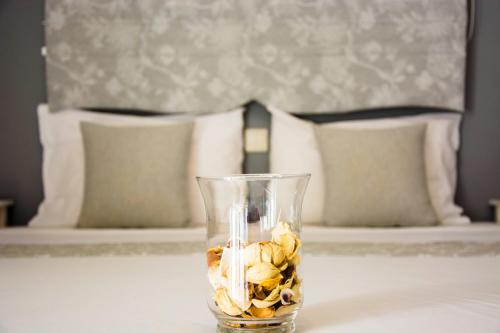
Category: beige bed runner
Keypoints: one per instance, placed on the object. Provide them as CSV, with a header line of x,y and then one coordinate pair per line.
x,y
441,249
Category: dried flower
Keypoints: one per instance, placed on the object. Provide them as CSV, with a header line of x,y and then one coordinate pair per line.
x,y
259,292
283,236
262,312
257,280
269,252
215,278
270,300
288,283
225,303
213,255
283,267
253,254
281,228
272,283
286,309
278,255
261,272
286,296
264,304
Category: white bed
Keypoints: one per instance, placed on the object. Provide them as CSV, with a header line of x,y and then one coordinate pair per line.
x,y
439,279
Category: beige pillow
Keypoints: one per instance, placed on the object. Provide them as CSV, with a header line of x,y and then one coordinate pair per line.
x,y
375,178
135,176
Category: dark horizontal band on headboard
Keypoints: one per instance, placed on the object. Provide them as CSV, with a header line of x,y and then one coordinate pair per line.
x,y
371,114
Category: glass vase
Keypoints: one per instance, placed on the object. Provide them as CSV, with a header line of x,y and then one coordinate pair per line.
x,y
254,250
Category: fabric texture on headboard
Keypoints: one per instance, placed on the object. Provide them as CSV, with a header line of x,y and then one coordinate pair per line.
x,y
298,55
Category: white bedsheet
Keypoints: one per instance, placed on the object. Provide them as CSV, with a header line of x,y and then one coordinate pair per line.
x,y
166,294
150,293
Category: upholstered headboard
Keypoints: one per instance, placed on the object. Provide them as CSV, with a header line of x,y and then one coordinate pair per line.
x,y
301,56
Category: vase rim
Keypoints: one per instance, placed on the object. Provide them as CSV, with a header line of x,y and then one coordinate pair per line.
x,y
255,176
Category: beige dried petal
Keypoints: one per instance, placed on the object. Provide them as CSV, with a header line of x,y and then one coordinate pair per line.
x,y
271,283
295,260
237,289
214,277
252,254
264,304
288,283
243,305
273,295
283,267
247,316
232,259
259,292
238,292
296,249
287,242
262,312
278,254
286,309
261,272
281,228
225,304
214,255
283,236
266,252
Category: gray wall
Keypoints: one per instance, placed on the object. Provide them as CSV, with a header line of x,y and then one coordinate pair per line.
x,y
22,88
479,171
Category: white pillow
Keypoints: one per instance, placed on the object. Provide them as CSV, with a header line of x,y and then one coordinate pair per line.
x,y
213,152
294,149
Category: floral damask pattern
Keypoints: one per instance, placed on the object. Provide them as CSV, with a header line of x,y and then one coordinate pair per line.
x,y
302,56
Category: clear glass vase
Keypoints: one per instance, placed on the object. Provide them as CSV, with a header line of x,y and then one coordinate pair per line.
x,y
254,250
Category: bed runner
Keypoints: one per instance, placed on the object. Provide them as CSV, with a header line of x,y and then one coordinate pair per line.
x,y
439,249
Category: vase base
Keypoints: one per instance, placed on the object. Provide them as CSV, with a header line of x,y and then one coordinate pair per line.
x,y
284,327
